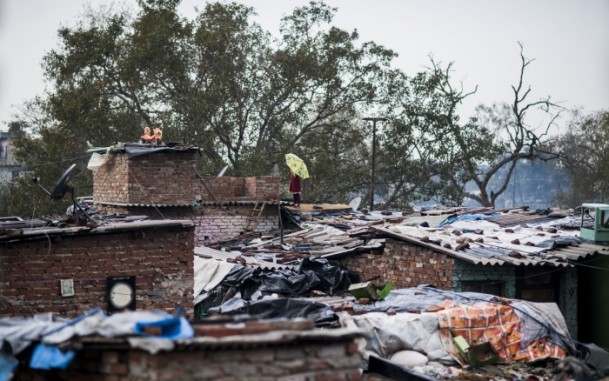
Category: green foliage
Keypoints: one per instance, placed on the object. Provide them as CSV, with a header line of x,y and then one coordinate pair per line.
x,y
218,82
42,151
427,152
585,158
222,83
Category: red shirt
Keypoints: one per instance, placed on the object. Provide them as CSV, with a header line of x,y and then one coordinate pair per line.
x,y
295,184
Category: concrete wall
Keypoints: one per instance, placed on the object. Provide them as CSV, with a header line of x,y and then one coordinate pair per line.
x,y
160,258
405,265
332,360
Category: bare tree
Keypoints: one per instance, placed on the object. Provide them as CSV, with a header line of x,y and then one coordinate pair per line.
x,y
517,138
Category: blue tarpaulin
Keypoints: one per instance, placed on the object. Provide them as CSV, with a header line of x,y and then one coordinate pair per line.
x,y
468,217
7,364
171,328
50,357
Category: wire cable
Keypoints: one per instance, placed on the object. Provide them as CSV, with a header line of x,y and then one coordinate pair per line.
x,y
147,195
212,193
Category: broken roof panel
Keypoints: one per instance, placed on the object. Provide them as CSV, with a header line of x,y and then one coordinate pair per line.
x,y
524,219
207,252
105,226
143,205
487,243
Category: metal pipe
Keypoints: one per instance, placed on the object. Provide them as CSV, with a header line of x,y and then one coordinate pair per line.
x,y
372,179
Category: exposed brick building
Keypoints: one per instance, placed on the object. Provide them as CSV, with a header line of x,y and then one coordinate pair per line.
x,y
316,355
409,263
162,182
156,255
404,265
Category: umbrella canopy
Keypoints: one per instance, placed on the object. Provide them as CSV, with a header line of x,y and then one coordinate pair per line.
x,y
297,165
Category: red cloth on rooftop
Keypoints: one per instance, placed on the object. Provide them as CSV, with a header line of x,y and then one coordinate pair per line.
x,y
295,184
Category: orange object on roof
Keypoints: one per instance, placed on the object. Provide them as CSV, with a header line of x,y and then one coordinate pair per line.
x,y
151,136
498,325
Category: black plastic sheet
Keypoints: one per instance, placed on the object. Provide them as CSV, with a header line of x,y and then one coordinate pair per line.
x,y
311,274
287,308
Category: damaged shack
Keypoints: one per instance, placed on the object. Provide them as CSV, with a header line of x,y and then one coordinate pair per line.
x,y
212,288
68,270
162,182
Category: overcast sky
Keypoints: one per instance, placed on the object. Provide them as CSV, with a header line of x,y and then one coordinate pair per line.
x,y
569,40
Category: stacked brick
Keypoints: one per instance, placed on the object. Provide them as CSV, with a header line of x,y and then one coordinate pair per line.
x,y
226,188
263,187
215,224
404,265
111,181
334,360
156,178
163,185
160,258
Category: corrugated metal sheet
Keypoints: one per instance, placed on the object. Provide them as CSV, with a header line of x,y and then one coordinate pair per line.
x,y
13,222
237,202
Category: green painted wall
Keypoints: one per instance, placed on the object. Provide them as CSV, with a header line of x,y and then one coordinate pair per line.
x,y
506,275
464,271
593,297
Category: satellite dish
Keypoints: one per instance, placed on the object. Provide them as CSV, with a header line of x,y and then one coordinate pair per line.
x,y
61,187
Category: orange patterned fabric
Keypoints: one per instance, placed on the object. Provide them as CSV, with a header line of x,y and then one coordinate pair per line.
x,y
497,324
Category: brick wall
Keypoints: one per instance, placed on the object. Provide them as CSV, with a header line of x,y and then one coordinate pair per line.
x,y
156,178
111,181
160,258
227,188
223,188
263,187
216,224
403,264
333,360
213,223
465,271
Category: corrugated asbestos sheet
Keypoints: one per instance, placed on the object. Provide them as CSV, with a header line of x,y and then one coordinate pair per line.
x,y
497,247
107,227
129,204
194,203
514,219
227,256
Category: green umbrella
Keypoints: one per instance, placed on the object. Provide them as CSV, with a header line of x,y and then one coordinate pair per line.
x,y
297,165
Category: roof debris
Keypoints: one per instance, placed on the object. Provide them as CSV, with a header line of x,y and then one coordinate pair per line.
x,y
515,332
